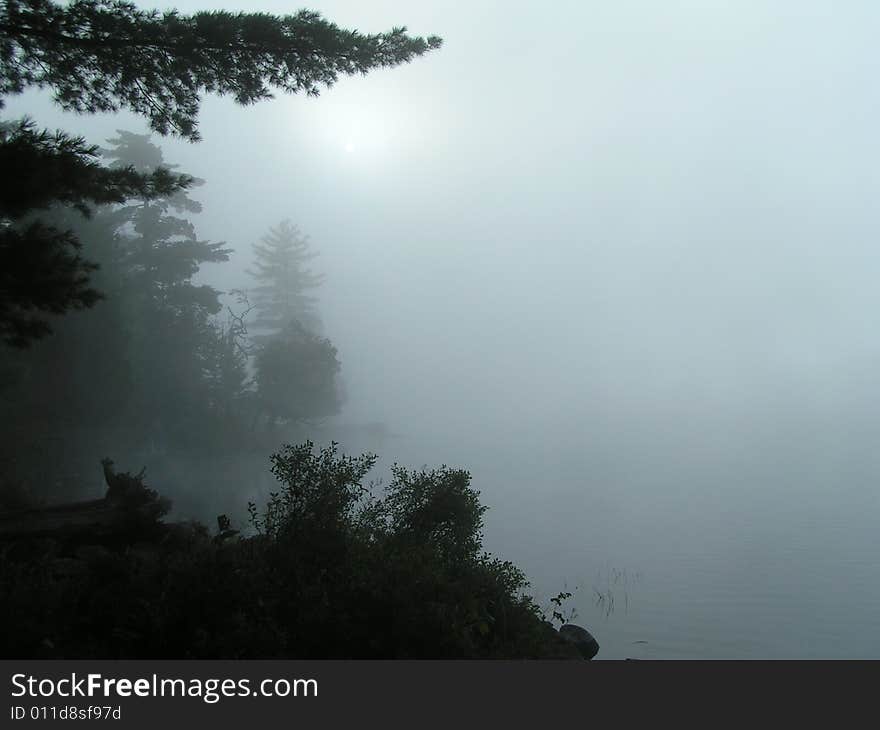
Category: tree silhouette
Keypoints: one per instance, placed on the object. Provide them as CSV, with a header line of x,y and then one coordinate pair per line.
x,y
42,272
106,55
283,279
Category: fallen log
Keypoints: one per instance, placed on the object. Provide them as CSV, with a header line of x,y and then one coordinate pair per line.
x,y
128,509
95,517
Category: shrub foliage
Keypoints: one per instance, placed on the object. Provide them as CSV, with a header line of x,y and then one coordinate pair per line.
x,y
330,570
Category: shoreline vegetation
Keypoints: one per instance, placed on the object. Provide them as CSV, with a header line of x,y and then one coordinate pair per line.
x,y
326,569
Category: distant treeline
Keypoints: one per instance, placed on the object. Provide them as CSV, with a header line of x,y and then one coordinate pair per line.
x,y
160,361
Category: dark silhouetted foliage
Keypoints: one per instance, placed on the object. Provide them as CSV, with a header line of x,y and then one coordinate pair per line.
x,y
106,55
57,169
332,572
42,271
296,376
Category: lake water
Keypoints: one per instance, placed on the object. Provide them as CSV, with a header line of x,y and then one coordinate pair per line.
x,y
745,536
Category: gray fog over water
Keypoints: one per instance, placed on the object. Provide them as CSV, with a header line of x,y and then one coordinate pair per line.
x,y
620,261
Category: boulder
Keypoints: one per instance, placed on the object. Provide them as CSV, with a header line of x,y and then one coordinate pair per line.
x,y
554,646
581,639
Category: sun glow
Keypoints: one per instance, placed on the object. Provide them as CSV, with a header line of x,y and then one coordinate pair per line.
x,y
361,129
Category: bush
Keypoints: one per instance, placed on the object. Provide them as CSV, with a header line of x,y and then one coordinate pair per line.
x,y
332,571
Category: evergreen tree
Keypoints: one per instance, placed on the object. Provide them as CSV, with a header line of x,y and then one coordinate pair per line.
x,y
70,394
173,338
42,271
165,252
283,280
87,347
106,55
149,363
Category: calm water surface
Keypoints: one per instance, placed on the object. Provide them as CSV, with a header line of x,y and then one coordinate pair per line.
x,y
741,537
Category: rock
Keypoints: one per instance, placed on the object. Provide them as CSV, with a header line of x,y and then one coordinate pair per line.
x,y
554,646
581,638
